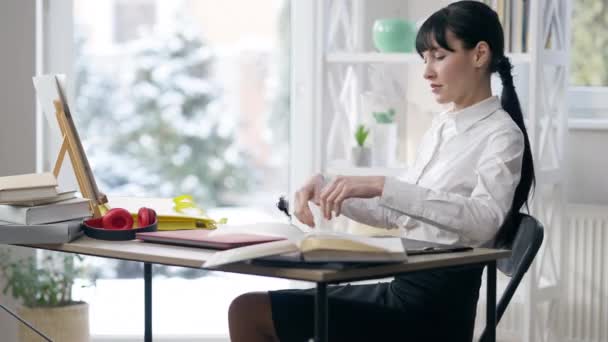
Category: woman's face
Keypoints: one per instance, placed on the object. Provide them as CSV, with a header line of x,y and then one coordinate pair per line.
x,y
452,75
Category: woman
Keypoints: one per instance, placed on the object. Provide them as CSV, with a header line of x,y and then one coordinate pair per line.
x,y
473,168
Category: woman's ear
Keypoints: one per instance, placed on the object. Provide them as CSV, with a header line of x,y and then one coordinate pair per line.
x,y
481,55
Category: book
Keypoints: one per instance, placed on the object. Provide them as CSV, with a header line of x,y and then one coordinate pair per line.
x,y
59,232
517,28
525,13
412,247
26,187
202,238
319,247
304,247
74,208
61,196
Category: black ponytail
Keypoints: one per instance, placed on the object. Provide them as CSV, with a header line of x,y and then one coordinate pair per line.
x,y
510,103
473,22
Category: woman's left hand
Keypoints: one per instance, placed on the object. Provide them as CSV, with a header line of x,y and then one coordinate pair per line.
x,y
343,187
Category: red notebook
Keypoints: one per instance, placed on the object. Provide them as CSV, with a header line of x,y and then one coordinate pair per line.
x,y
201,238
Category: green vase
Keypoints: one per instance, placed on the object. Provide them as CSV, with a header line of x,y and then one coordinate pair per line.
x,y
394,35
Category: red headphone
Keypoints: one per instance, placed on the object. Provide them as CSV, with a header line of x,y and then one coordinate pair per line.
x,y
121,219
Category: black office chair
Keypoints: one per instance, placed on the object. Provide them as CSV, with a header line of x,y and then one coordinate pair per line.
x,y
524,244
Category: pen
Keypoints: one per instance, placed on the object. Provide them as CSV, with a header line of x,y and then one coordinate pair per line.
x,y
283,205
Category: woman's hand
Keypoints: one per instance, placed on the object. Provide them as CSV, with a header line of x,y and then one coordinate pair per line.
x,y
344,187
310,191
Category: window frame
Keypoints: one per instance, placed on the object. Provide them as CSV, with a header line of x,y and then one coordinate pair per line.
x,y
587,97
57,46
56,23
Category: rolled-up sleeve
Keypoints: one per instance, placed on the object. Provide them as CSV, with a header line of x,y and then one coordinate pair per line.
x,y
478,216
368,211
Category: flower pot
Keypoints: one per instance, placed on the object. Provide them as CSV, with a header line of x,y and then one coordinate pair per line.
x,y
362,156
65,323
384,144
394,35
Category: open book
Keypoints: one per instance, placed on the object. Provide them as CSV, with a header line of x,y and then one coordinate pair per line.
x,y
313,246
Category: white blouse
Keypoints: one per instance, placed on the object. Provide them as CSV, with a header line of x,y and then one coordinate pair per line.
x,y
461,185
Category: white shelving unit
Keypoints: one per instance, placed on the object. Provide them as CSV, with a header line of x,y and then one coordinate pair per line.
x,y
396,58
372,57
343,167
346,61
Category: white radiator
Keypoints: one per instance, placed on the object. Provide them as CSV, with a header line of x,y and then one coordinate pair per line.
x,y
583,315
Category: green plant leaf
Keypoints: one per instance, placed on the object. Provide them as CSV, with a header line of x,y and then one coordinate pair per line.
x,y
385,117
361,135
47,283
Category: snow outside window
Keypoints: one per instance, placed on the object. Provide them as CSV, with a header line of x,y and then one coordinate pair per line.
x,y
589,62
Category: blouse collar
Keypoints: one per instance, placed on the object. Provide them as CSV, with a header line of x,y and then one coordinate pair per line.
x,y
467,117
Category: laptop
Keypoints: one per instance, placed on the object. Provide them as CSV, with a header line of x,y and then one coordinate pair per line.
x,y
201,238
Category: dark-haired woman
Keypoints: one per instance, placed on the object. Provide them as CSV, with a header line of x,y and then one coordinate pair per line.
x,y
473,169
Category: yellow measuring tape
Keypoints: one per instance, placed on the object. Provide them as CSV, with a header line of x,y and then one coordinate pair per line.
x,y
184,204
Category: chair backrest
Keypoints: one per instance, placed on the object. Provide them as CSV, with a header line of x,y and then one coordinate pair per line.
x,y
524,245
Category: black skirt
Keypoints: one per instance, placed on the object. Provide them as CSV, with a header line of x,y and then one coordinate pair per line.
x,y
436,305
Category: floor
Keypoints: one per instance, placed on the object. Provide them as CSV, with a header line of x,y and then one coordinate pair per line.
x,y
183,309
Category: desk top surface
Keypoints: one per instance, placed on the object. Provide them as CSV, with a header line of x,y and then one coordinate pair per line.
x,y
194,257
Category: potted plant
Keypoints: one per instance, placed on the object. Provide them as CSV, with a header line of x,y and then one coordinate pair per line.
x,y
44,289
384,138
360,153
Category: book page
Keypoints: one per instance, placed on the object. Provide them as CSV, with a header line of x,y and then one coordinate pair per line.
x,y
344,241
318,241
250,252
294,233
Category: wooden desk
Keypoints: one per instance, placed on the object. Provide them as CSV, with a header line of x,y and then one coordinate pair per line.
x,y
150,253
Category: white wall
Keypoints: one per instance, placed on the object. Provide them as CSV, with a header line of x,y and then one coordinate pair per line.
x,y
587,166
17,113
57,55
17,105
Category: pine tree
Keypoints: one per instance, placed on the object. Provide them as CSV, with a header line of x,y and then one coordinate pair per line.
x,y
95,99
166,132
183,145
589,43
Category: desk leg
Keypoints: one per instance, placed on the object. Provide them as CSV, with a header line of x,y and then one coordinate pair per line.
x,y
491,302
148,302
321,313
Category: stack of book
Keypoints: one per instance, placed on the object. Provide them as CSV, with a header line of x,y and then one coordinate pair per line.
x,y
33,210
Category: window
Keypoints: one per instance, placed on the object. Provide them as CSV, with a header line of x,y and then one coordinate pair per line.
x,y
183,97
589,49
197,105
133,19
589,60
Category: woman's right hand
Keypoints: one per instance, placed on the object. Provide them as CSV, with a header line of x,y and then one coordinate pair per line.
x,y
310,191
